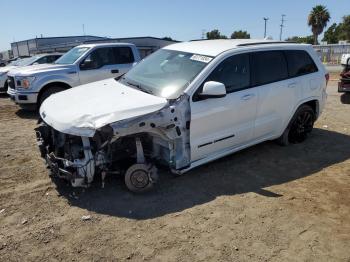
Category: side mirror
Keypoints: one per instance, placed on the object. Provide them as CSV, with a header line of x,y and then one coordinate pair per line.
x,y
213,89
86,65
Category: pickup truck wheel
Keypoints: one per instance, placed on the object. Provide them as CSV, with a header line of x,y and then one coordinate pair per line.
x,y
299,127
6,86
140,178
48,92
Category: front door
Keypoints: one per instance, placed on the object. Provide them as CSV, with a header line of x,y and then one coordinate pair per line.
x,y
219,124
100,64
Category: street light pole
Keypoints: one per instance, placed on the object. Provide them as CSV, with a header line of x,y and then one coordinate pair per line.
x,y
265,18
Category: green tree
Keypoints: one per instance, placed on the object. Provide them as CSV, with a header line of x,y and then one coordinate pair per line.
x,y
338,32
301,39
317,20
215,34
332,34
168,38
344,28
240,35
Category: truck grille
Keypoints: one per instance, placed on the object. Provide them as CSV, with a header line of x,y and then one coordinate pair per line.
x,y
11,82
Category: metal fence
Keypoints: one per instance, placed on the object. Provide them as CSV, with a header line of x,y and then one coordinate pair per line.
x,y
331,54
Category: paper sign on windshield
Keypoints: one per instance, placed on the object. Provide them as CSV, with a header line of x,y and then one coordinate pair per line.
x,y
201,58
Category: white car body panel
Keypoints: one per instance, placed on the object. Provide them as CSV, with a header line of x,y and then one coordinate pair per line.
x,y
223,122
82,110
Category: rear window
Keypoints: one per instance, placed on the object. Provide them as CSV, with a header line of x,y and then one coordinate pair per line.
x,y
268,67
300,63
123,55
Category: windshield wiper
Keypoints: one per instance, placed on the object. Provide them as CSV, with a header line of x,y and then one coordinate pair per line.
x,y
139,87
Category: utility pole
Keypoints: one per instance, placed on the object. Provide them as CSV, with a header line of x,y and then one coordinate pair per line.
x,y
203,33
83,29
265,18
282,25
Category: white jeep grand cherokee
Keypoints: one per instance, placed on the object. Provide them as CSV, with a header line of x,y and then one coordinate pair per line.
x,y
183,106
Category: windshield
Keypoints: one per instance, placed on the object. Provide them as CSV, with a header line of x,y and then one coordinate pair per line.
x,y
166,73
72,55
26,61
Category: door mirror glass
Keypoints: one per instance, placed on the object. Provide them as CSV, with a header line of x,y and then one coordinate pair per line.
x,y
213,89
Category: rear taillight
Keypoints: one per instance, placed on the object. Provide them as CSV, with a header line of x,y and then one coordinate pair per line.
x,y
327,78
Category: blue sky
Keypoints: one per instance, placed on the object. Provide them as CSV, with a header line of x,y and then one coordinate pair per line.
x,y
181,19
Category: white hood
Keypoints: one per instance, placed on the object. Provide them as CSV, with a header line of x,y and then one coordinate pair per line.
x,y
83,109
5,69
39,69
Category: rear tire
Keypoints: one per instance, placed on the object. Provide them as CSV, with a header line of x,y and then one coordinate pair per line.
x,y
48,92
300,126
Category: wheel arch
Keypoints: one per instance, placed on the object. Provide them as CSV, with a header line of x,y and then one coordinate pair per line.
x,y
314,104
52,84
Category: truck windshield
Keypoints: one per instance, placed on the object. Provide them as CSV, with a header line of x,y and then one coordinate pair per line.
x,y
166,73
27,61
72,55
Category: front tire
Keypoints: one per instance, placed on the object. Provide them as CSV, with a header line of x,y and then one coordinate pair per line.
x,y
300,126
48,92
140,178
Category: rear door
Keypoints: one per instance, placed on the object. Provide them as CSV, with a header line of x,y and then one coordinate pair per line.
x,y
124,59
277,93
303,71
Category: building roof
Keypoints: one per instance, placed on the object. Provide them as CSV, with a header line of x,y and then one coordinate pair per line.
x,y
55,37
132,38
106,44
217,46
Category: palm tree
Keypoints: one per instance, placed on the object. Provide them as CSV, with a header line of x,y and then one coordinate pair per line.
x,y
318,19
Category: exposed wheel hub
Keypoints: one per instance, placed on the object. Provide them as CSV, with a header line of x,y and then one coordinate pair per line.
x,y
139,178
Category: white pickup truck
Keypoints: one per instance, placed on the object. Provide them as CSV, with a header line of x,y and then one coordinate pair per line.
x,y
34,60
30,86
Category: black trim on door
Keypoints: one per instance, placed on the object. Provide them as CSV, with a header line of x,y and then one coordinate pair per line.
x,y
215,141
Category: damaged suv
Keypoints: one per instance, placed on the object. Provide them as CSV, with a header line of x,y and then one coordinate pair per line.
x,y
183,106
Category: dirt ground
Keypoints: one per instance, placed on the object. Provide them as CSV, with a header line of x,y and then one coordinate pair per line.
x,y
266,203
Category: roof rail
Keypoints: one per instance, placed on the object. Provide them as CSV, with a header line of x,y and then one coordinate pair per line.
x,y
266,43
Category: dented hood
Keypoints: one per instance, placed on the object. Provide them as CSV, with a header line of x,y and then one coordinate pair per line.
x,y
83,109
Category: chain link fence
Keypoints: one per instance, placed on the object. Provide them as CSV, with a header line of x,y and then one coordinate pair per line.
x,y
331,54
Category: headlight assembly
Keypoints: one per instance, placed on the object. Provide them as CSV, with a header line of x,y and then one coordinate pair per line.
x,y
25,82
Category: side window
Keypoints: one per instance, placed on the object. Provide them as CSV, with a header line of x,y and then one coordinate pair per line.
x,y
233,72
50,59
42,60
300,63
123,55
268,67
98,58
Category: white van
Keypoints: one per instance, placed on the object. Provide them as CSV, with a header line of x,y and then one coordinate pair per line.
x,y
183,106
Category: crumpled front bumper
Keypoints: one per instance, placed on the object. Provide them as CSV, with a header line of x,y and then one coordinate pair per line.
x,y
54,164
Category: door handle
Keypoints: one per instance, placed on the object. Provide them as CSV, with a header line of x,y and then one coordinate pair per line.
x,y
247,97
114,71
292,85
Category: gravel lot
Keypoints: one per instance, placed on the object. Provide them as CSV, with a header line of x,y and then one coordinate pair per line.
x,y
266,203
